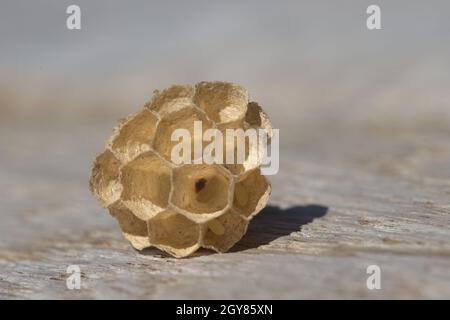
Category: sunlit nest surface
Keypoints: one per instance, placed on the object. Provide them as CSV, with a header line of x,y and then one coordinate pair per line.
x,y
181,208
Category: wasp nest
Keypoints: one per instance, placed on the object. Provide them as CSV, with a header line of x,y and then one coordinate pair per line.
x,y
180,208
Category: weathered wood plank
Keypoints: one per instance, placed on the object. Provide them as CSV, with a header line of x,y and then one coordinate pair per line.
x,y
335,209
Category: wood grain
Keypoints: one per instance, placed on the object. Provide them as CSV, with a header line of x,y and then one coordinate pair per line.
x,y
338,206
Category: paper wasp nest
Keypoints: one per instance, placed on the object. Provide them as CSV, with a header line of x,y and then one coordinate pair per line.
x,y
180,208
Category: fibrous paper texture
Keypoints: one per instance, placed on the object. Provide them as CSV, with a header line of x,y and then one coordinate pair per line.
x,y
181,208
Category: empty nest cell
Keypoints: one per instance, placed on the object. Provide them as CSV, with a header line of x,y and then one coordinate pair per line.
x,y
146,185
133,136
201,189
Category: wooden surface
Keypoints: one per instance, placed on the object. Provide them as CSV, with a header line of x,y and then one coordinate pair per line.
x,y
365,196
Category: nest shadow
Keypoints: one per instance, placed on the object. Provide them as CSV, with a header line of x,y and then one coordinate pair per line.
x,y
270,224
273,223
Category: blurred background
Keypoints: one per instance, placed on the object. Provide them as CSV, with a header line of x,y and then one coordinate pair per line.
x,y
322,76
302,60
341,95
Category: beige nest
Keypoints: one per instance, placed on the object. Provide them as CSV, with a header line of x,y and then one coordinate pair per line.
x,y
180,208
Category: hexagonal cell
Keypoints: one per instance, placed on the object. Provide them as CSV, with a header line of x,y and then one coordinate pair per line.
x,y
174,233
223,102
134,136
104,180
256,117
251,193
224,231
171,99
133,228
146,185
251,159
182,119
201,189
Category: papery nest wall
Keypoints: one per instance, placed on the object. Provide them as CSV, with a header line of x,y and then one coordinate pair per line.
x,y
181,208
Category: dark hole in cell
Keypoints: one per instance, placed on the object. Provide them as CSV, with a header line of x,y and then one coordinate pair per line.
x,y
200,184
